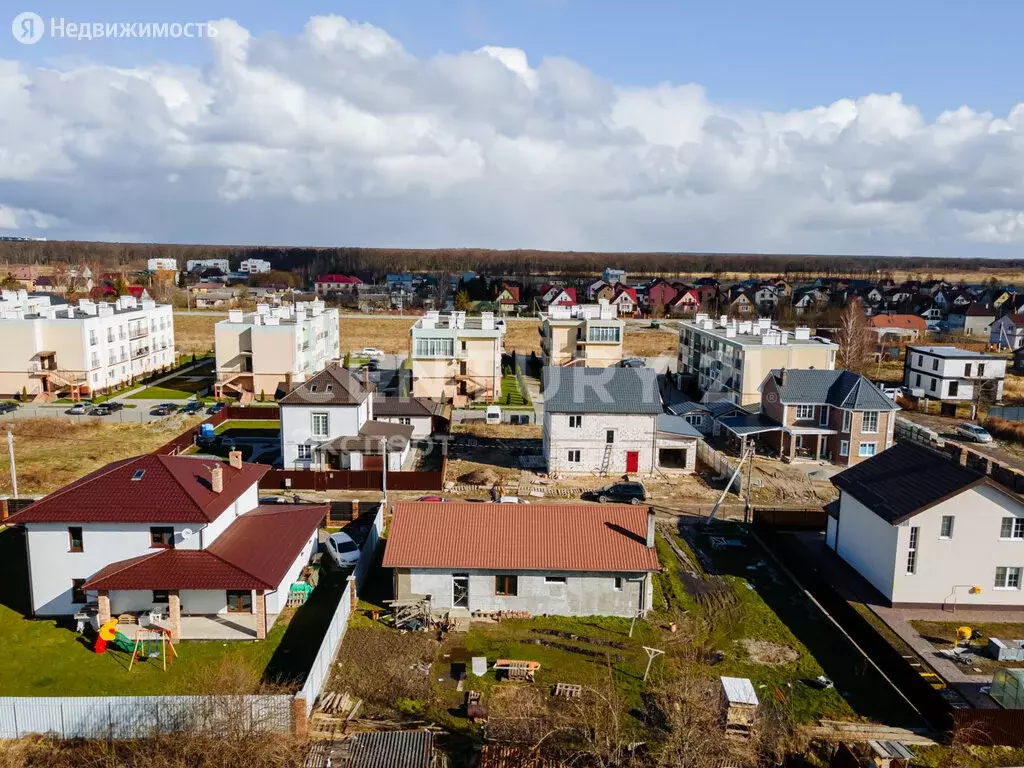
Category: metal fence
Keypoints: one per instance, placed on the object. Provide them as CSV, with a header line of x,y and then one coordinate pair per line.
x,y
128,717
369,550
1008,412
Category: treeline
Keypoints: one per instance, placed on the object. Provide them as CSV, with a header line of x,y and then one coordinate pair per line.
x,y
373,263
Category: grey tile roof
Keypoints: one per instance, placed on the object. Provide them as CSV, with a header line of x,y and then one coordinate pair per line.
x,y
842,389
904,480
751,424
601,390
390,749
676,425
332,386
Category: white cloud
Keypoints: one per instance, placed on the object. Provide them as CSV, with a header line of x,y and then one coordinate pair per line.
x,y
340,136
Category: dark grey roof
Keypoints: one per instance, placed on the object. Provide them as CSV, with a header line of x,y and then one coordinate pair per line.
x,y
687,406
601,390
751,424
676,425
405,406
369,437
390,749
332,386
904,480
842,389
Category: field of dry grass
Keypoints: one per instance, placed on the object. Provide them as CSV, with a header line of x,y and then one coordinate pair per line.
x,y
52,452
649,342
194,333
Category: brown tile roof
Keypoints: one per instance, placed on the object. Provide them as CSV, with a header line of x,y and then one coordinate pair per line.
x,y
168,489
334,385
538,537
254,552
368,439
913,322
405,406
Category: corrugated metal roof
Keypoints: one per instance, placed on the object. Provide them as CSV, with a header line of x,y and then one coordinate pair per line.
x,y
751,424
577,389
390,749
538,537
677,425
739,690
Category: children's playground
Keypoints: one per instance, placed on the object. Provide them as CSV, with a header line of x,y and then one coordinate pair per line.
x,y
147,644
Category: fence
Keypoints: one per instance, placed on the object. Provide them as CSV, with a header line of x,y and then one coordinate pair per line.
x,y
353,480
791,518
715,460
126,717
187,439
908,431
1008,412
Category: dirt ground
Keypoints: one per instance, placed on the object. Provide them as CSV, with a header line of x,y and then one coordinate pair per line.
x,y
1003,451
799,483
769,654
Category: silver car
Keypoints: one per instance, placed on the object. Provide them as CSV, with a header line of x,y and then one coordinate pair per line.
x,y
973,432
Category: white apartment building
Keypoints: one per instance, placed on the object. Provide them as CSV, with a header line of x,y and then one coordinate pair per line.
x,y
582,334
274,348
950,373
194,265
80,349
456,357
254,266
728,360
157,265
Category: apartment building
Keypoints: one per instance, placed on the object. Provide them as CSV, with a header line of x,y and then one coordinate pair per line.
x,y
728,360
196,265
456,357
81,349
254,266
951,373
582,334
274,348
162,265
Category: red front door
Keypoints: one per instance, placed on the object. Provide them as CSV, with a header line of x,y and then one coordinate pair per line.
x,y
632,461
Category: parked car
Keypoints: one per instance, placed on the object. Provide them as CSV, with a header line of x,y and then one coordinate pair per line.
x,y
8,407
493,414
372,352
100,410
973,432
114,405
192,407
370,365
163,410
632,362
79,409
432,498
343,549
214,409
512,500
632,493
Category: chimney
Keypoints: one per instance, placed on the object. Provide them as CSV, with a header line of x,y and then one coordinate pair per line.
x,y
366,378
235,459
217,479
355,509
783,377
650,528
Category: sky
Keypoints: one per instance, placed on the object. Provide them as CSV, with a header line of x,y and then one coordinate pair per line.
x,y
881,128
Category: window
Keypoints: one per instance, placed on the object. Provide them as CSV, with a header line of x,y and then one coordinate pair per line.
x,y
935,364
139,474
920,360
912,550
161,537
506,586
320,425
77,593
575,422
931,386
435,347
869,422
844,447
866,449
946,530
554,579
75,539
618,583
609,335
92,338
823,416
239,601
847,421
693,419
161,596
804,412
573,456
917,380
304,452
1007,578
967,370
609,436
981,369
1012,528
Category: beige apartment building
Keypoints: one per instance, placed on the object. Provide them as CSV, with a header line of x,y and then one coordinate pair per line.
x,y
274,348
582,334
455,357
728,360
82,349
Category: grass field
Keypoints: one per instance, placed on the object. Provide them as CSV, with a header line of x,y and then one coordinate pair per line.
x,y
52,452
163,393
193,334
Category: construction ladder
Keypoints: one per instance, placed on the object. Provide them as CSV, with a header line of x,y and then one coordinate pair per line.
x,y
607,458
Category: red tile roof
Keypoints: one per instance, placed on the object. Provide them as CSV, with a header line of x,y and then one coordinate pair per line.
x,y
169,489
342,279
898,321
254,552
538,537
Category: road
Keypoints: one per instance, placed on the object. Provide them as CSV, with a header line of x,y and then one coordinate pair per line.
x,y
1004,452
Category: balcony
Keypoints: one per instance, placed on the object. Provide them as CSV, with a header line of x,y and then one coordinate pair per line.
x,y
138,333
140,352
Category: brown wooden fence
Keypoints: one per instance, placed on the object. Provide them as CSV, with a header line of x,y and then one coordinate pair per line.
x,y
187,439
352,480
791,518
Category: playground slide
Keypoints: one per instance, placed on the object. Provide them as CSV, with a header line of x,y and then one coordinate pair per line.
x,y
124,643
108,635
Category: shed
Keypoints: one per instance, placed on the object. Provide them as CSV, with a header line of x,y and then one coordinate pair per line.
x,y
739,702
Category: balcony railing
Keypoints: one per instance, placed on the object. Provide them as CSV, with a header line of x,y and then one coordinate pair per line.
x,y
140,352
138,333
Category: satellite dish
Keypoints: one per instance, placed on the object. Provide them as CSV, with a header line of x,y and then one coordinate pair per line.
x,y
186,534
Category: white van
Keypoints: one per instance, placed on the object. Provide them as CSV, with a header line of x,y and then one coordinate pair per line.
x,y
493,415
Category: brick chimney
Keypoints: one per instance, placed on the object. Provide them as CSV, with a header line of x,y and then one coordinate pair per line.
x,y
355,509
366,378
783,377
650,528
217,479
235,459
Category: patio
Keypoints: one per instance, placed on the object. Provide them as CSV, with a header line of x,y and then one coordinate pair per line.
x,y
222,626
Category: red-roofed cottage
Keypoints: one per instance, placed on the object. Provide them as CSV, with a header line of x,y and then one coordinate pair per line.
x,y
326,284
179,542
557,559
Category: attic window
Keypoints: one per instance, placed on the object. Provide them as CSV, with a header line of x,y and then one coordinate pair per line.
x,y
330,388
138,474
312,387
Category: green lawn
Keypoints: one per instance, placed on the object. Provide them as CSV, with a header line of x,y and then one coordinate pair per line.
x,y
511,395
160,393
261,425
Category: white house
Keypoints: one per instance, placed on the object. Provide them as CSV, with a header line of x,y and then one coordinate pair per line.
x,y
162,265
568,559
950,373
254,266
197,265
925,531
328,423
611,420
421,413
181,538
612,275
1008,331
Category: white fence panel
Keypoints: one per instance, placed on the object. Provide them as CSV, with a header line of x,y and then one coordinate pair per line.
x,y
321,669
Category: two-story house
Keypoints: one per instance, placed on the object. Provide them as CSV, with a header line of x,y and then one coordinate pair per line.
x,y
181,541
455,357
583,334
927,532
328,423
660,293
950,373
611,421
624,300
816,414
1008,331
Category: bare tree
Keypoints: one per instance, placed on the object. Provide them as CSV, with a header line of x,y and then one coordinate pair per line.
x,y
852,337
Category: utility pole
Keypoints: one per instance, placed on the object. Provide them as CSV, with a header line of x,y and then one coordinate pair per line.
x,y
384,464
10,451
750,467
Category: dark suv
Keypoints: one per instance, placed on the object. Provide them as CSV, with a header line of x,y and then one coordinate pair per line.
x,y
632,493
